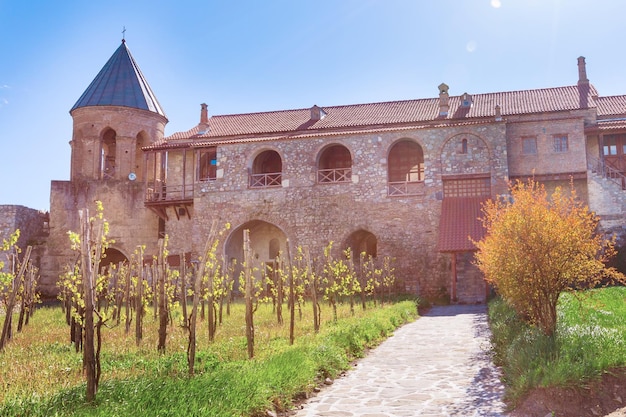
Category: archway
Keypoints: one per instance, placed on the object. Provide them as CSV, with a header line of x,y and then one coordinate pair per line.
x,y
266,241
361,242
266,170
112,256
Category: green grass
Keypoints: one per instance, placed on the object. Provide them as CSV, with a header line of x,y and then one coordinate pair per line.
x,y
40,374
590,340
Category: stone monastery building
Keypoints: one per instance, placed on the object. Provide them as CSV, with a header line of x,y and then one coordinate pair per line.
x,y
403,179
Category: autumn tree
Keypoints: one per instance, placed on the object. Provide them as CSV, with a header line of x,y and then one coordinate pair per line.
x,y
538,246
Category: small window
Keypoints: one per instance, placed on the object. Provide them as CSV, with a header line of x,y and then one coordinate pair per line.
x,y
463,148
207,164
560,143
529,146
610,145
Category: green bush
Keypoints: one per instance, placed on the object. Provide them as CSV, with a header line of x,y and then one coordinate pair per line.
x,y
589,341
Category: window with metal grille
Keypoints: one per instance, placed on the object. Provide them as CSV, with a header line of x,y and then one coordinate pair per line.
x,y
467,187
560,143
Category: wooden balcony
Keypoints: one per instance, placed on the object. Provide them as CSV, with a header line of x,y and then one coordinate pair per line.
x,y
266,180
334,175
160,196
405,188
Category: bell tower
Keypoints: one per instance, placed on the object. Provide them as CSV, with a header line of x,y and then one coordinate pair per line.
x,y
116,115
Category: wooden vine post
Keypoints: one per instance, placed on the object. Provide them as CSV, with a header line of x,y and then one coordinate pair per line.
x,y
16,283
313,284
197,289
292,298
90,243
249,293
139,298
161,269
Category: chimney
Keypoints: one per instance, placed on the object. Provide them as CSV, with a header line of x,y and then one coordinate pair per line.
x,y
203,126
317,113
582,71
444,107
204,114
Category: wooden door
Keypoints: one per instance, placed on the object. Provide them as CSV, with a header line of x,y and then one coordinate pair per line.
x,y
614,151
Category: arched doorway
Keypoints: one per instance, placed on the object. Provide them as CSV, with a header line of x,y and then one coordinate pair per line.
x,y
266,242
362,242
112,257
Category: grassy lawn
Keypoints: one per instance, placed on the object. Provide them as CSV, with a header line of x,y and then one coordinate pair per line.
x,y
590,340
41,374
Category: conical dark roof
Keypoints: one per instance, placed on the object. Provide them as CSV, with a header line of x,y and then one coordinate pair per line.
x,y
120,83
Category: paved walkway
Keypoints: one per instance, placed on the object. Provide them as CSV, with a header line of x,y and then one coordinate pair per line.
x,y
437,366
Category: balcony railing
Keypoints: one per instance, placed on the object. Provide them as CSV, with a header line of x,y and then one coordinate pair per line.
x,y
334,175
266,180
400,188
165,193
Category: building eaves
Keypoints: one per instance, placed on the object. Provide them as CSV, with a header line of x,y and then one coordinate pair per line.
x,y
201,141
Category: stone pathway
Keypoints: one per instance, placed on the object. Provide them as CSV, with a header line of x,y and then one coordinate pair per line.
x,y
437,366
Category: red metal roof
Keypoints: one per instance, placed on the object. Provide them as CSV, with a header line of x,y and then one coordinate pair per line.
x,y
460,221
393,113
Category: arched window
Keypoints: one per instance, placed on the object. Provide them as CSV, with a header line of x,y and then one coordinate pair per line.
x,y
266,170
108,154
335,164
405,168
463,149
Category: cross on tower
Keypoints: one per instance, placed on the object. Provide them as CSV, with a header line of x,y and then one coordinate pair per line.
x,y
124,34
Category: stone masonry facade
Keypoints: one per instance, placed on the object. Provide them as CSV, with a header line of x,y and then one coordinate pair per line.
x,y
375,177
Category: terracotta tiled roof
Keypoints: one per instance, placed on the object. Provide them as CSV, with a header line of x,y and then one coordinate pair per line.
x,y
120,83
606,126
460,221
417,111
611,106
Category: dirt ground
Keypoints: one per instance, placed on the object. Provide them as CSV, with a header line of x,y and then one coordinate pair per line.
x,y
604,397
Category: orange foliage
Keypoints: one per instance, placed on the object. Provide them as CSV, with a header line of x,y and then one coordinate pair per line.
x,y
538,246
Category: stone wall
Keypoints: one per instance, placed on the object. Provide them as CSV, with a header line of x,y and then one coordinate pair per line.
x,y
313,214
33,226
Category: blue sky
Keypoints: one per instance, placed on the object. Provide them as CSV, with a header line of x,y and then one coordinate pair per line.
x,y
250,56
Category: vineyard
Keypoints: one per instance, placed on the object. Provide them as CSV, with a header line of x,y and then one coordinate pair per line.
x,y
145,318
